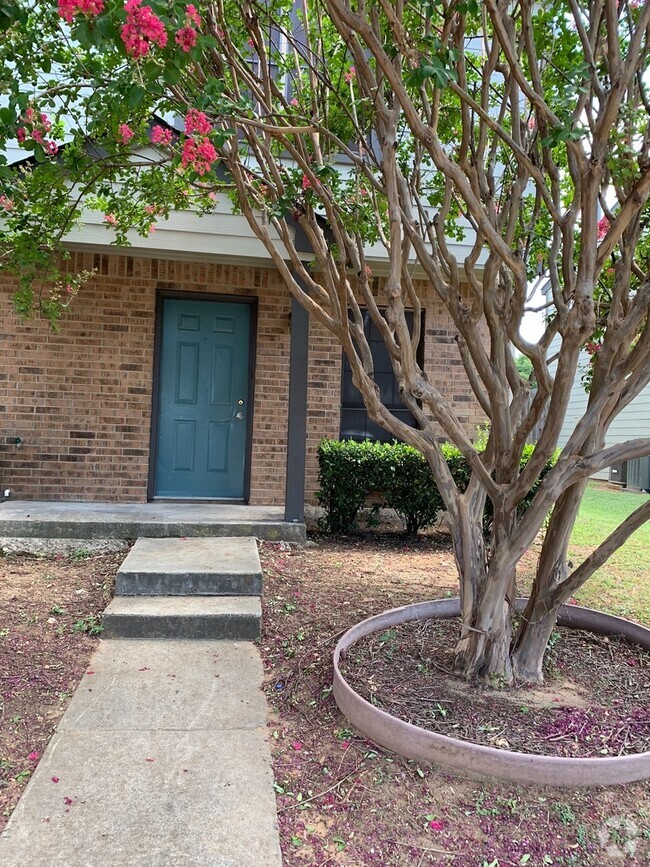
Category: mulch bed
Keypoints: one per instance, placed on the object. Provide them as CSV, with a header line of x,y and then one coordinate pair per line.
x,y
594,701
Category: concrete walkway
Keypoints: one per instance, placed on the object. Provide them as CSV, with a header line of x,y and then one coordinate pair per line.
x,y
161,760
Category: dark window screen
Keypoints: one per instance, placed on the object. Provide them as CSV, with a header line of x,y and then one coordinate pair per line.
x,y
355,424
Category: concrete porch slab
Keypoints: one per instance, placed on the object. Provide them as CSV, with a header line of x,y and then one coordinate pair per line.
x,y
36,519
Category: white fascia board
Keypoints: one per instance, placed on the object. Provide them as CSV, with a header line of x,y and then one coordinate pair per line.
x,y
219,236
378,260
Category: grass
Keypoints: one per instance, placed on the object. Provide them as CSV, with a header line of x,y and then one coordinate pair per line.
x,y
622,583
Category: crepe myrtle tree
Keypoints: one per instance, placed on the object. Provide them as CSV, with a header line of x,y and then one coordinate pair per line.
x,y
520,126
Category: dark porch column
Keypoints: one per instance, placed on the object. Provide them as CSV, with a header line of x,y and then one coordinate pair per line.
x,y
294,504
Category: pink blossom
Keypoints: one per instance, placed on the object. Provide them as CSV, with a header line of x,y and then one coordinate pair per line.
x,y
152,229
297,746
125,133
306,183
45,123
111,219
21,133
206,151
532,123
192,14
51,147
142,30
30,115
198,157
55,779
196,121
37,135
69,8
436,825
67,800
345,745
6,203
350,75
149,209
603,227
161,136
33,756
294,102
186,38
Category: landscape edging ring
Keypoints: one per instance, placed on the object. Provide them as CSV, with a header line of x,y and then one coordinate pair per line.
x,y
528,769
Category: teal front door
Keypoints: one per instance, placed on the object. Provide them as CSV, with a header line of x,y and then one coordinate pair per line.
x,y
203,400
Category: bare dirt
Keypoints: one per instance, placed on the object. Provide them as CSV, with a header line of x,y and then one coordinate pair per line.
x,y
50,619
342,800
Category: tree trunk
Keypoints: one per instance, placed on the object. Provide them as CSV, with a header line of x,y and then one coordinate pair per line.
x,y
532,639
483,650
538,620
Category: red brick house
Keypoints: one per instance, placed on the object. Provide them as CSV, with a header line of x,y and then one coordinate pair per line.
x,y
89,412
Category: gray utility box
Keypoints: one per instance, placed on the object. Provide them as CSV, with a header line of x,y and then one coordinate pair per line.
x,y
638,474
618,474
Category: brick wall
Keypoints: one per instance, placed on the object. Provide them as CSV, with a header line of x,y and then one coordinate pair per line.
x,y
441,362
81,399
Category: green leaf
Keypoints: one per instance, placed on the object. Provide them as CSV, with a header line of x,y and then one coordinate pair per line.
x,y
136,96
171,74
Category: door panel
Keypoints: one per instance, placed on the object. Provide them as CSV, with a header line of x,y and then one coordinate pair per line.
x,y
204,377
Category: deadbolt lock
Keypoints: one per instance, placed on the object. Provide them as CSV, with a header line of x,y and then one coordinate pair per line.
x,y
240,402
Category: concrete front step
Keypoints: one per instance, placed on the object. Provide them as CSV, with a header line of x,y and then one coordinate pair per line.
x,y
187,617
227,566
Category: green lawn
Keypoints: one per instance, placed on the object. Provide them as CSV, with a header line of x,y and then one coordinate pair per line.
x,y
623,583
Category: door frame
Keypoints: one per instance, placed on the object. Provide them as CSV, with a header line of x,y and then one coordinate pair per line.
x,y
177,294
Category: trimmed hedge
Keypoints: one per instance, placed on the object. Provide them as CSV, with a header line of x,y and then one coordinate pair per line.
x,y
351,471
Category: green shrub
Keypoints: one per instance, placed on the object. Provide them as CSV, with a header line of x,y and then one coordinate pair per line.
x,y
348,473
409,487
351,471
